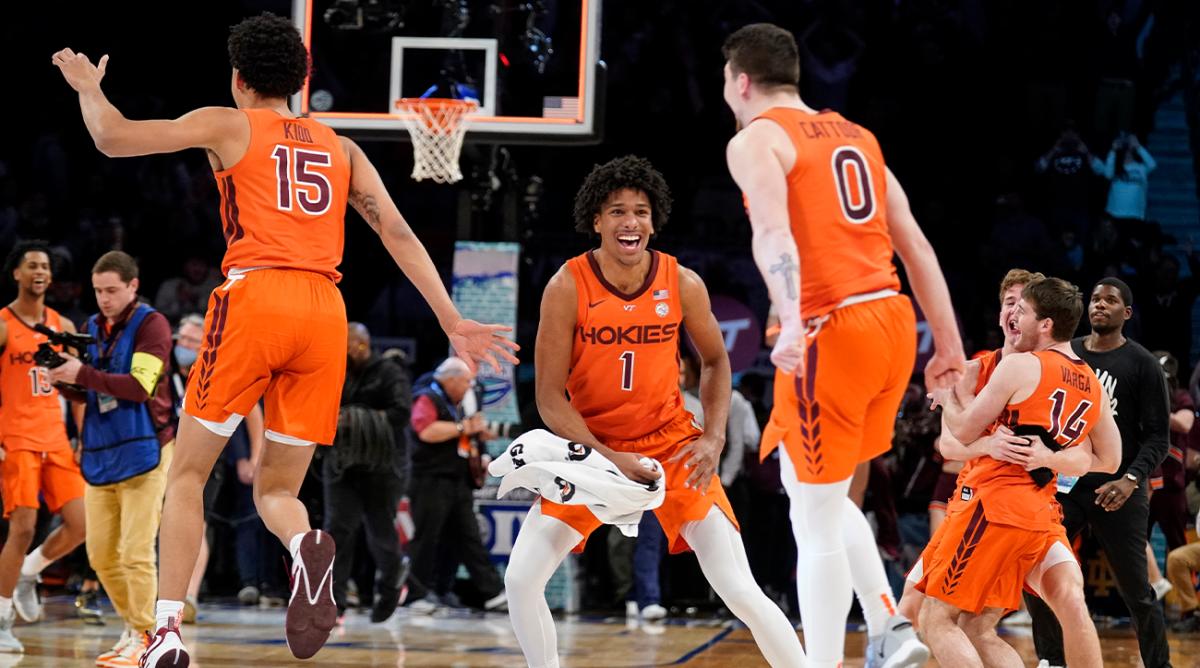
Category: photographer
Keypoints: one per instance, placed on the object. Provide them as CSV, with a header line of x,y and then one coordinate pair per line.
x,y
37,459
365,470
443,483
128,434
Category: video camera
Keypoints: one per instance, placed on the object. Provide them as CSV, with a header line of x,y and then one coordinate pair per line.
x,y
48,357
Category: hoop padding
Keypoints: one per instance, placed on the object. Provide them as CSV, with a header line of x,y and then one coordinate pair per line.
x,y
437,127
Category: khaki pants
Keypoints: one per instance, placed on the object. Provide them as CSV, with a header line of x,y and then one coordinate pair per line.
x,y
1181,563
122,524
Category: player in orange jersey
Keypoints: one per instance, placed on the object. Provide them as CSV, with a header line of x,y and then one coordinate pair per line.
x,y
37,455
607,363
277,328
827,217
995,538
1057,578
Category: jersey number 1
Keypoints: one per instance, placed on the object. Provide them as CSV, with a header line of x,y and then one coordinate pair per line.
x,y
627,371
1073,427
299,182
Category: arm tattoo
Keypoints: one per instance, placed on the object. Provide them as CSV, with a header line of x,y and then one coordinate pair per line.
x,y
787,267
367,207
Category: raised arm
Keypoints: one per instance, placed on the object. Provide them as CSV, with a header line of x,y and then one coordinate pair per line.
x,y
473,342
929,286
222,130
756,167
552,364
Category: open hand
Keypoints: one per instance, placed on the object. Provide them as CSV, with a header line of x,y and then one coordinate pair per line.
x,y
79,72
475,342
944,369
701,457
1112,495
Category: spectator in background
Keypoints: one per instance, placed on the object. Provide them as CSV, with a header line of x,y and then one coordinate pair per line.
x,y
365,471
187,293
1067,172
1128,168
442,490
1166,316
1168,483
1183,563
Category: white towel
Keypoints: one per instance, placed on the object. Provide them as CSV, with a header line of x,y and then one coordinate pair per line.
x,y
575,474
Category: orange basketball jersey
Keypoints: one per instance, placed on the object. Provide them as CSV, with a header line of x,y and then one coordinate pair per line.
x,y
624,377
1066,403
283,204
31,415
987,364
837,204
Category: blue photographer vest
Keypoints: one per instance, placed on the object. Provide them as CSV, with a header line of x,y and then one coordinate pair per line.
x,y
119,442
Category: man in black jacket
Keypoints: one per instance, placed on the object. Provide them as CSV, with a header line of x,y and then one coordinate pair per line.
x,y
442,496
1116,505
366,469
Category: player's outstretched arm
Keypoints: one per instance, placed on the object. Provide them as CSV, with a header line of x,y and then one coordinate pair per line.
x,y
552,364
223,130
759,174
929,286
474,342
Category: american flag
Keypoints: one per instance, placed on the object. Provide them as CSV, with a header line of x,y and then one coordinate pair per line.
x,y
560,107
660,294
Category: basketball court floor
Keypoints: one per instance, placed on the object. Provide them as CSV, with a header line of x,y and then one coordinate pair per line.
x,y
230,636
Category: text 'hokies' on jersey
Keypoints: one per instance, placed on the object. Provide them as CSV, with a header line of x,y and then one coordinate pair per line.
x,y
624,377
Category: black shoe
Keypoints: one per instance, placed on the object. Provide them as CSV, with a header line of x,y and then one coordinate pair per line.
x,y
385,605
1189,624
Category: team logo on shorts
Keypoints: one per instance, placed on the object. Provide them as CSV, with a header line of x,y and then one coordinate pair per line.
x,y
515,452
566,490
662,309
578,452
966,494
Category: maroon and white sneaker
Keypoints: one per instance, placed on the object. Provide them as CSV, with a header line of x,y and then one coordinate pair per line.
x,y
311,612
166,648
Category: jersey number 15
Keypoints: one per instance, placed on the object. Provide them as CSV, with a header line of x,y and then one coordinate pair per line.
x,y
300,181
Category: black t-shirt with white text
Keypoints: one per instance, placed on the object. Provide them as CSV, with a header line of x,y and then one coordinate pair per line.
x,y
1137,391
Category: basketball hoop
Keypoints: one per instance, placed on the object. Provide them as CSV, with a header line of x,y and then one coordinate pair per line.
x,y
437,127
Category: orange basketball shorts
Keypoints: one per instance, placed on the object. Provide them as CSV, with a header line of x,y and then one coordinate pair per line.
x,y
681,505
278,335
977,564
843,409
26,473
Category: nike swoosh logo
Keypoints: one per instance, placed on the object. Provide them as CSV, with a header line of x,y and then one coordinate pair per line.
x,y
595,304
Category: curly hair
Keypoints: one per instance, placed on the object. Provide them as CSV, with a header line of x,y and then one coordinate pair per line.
x,y
17,255
627,172
270,56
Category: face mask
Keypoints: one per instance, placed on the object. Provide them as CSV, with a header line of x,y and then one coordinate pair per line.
x,y
185,356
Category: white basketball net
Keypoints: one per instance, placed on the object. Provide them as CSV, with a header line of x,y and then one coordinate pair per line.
x,y
437,128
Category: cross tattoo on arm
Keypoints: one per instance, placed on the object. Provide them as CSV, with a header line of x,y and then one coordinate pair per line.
x,y
787,267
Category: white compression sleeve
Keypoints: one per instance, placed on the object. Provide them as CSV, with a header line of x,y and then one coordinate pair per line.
x,y
542,543
718,547
866,569
823,580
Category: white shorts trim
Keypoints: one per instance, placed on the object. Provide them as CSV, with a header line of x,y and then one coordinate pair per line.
x,y
1057,554
225,428
917,572
286,440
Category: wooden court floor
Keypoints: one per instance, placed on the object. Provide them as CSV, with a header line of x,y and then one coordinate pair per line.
x,y
238,637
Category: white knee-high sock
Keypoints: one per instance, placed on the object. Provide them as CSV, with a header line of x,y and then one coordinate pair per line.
x,y
866,569
542,544
822,569
718,547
